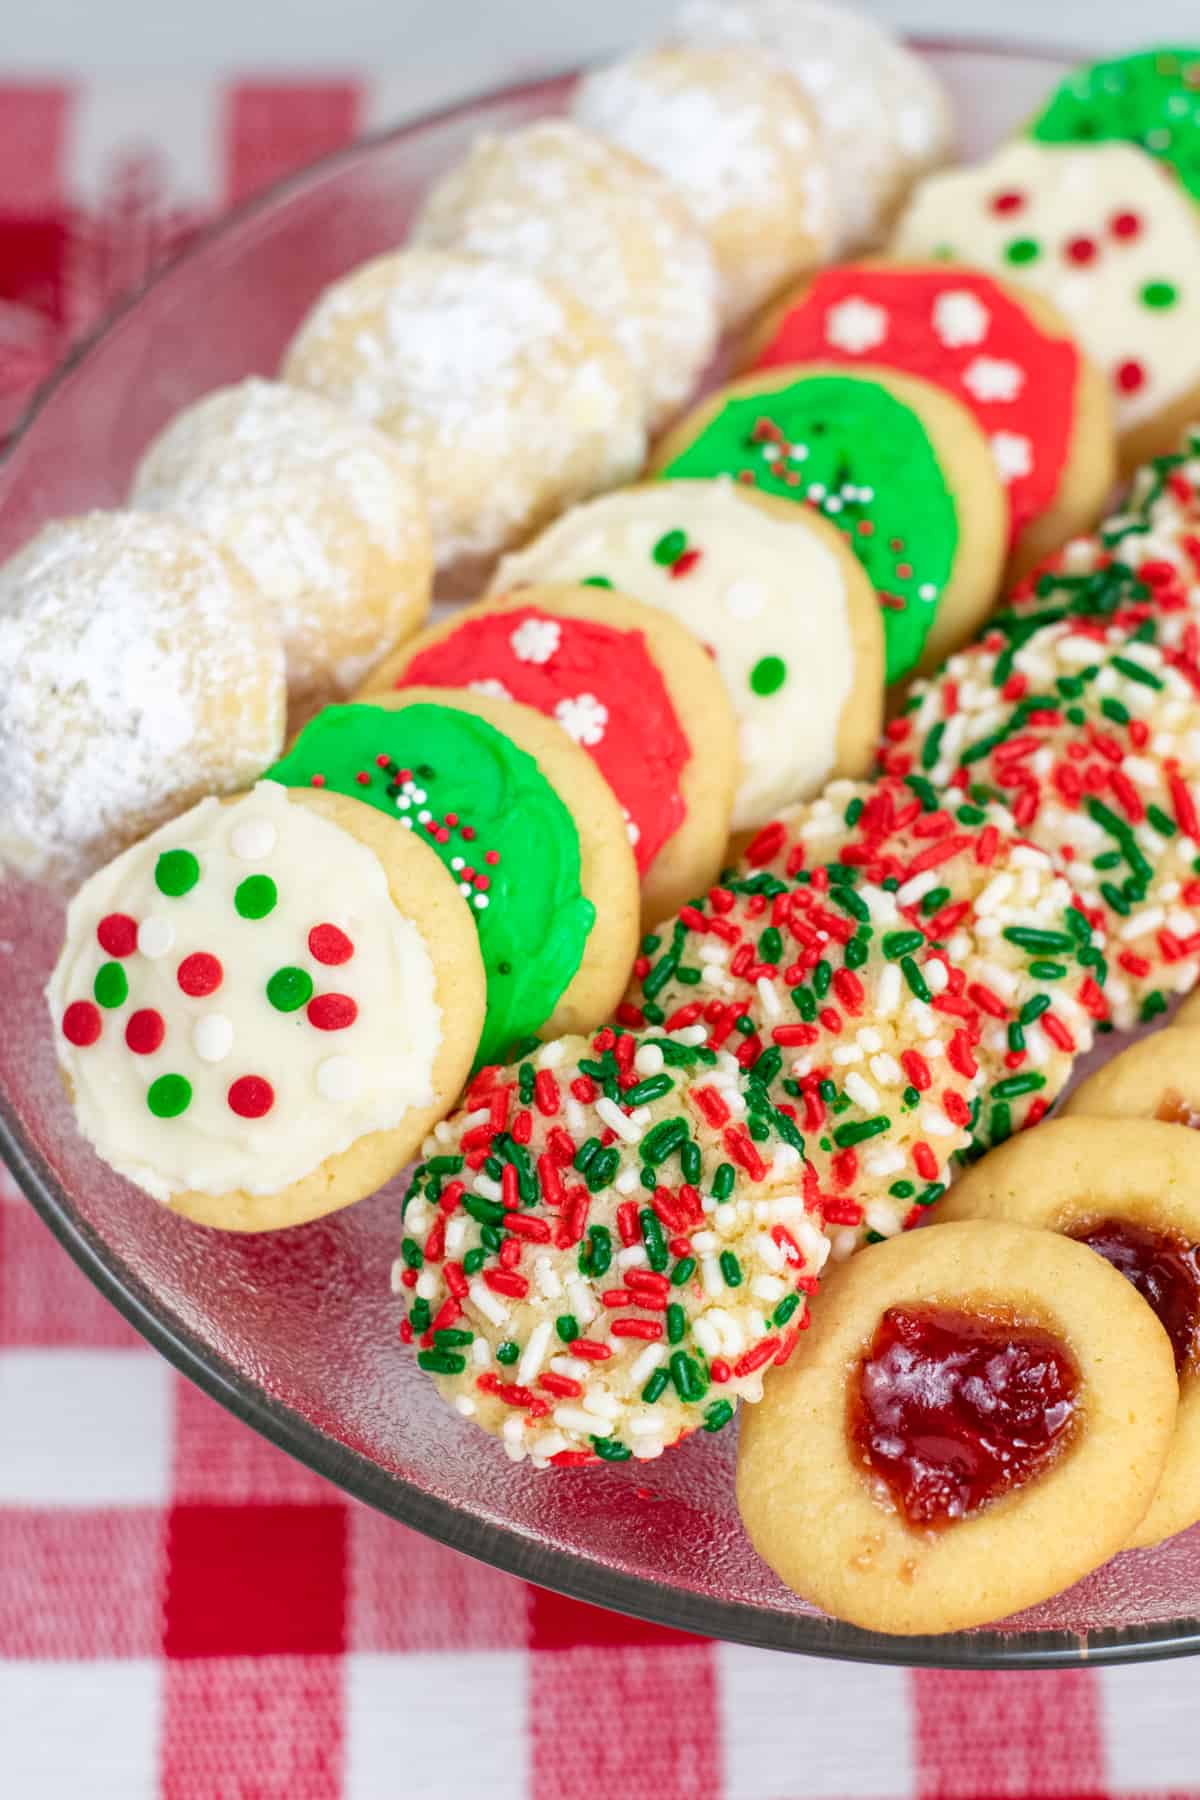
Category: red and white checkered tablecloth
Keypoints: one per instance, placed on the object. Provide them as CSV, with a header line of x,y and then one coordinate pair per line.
x,y
184,1611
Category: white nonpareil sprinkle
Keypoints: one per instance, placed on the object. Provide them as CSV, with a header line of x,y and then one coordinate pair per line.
x,y
648,1060
584,1424
617,1121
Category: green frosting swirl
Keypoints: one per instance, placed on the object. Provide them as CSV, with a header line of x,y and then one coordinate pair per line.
x,y
485,799
1151,99
862,457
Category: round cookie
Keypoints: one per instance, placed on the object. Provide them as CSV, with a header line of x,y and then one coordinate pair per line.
x,y
141,671
771,590
505,396
261,1009
1131,1191
629,684
1088,1408
525,823
1111,239
1005,355
1083,727
735,135
1148,99
1188,1015
897,464
557,201
593,1270
884,116
319,509
1156,1078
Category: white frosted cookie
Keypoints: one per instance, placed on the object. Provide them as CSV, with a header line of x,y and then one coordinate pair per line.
x,y
558,201
884,116
262,1008
1108,236
771,591
737,137
500,389
320,510
140,670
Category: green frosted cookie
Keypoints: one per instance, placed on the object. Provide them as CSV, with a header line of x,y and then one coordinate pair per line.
x,y
860,456
493,818
1151,99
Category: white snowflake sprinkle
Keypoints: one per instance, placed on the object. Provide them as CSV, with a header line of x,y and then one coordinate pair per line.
x,y
1013,455
959,318
856,325
536,640
582,717
491,690
992,378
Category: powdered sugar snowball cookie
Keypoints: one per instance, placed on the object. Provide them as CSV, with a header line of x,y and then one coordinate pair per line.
x,y
503,393
321,511
771,590
141,671
884,116
1111,238
262,1008
898,465
527,826
629,684
1005,354
587,1269
737,137
560,202
1085,728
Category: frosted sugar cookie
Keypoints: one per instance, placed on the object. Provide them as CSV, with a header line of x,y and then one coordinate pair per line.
x,y
588,1271
897,464
735,135
1084,728
1108,236
770,589
1006,355
262,1008
630,685
1130,1191
1151,98
504,395
883,114
320,510
524,822
141,671
557,201
980,1414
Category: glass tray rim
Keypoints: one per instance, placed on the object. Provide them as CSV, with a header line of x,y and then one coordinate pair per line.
x,y
357,1475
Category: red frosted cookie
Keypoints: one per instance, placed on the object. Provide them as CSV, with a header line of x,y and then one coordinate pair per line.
x,y
1005,354
628,683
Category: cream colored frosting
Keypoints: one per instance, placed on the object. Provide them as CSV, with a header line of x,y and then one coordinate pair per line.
x,y
1057,219
330,1086
761,588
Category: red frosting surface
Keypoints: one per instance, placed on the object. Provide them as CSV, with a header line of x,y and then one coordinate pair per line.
x,y
603,687
961,331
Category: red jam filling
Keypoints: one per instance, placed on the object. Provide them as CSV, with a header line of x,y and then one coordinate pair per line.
x,y
952,1409
1165,1270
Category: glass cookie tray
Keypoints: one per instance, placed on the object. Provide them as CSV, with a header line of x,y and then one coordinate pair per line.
x,y
297,1333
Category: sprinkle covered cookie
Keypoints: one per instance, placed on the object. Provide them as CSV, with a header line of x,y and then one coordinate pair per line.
x,y
1151,99
1005,354
588,1271
898,465
1110,238
525,824
260,1009
770,589
630,685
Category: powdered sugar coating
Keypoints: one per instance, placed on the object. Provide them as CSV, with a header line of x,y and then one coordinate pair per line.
x,y
736,136
320,510
500,389
884,116
559,201
142,671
